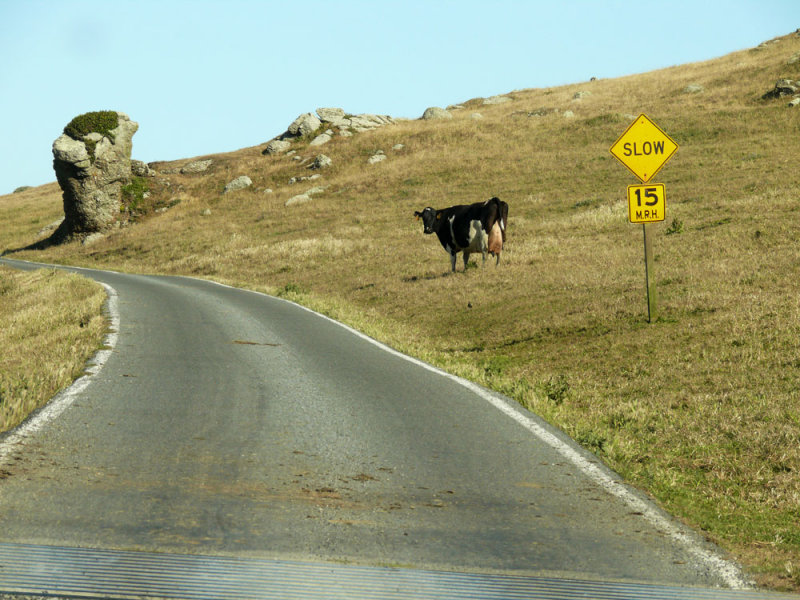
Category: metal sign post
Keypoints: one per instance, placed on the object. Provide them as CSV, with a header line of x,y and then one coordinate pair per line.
x,y
644,148
648,274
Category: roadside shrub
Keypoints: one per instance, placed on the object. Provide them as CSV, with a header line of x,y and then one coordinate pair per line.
x,y
291,289
496,365
133,196
675,227
556,389
591,441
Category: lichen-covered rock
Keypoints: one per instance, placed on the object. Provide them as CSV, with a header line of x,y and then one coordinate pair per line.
x,y
320,162
496,100
379,156
330,115
694,88
197,166
141,169
322,138
304,125
92,161
239,183
368,121
434,112
298,199
277,147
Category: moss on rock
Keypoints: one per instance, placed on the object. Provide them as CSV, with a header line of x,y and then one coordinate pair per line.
x,y
101,121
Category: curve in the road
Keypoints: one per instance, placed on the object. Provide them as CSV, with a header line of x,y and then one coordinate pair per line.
x,y
703,557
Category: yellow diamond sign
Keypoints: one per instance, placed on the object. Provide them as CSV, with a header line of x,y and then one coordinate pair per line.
x,y
644,148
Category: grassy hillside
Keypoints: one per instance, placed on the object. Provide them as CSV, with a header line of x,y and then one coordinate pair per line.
x,y
700,408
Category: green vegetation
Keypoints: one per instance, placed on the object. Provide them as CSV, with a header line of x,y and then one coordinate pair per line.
x,y
133,197
675,227
699,408
291,291
101,122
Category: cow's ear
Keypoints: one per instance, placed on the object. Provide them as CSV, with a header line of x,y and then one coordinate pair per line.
x,y
417,215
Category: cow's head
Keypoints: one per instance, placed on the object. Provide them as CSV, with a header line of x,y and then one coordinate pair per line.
x,y
429,220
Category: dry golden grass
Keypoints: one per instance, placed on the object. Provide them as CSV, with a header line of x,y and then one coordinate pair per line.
x,y
699,408
50,325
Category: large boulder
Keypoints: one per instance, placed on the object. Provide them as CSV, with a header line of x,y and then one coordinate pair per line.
x,y
240,183
197,166
330,115
322,138
304,125
92,161
434,113
368,122
277,147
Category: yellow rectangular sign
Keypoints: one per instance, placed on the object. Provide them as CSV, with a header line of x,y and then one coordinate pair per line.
x,y
647,203
644,148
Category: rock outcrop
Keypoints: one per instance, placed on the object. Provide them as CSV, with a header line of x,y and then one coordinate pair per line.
x,y
782,89
197,166
320,162
304,125
277,147
335,120
496,100
141,169
434,113
92,161
322,138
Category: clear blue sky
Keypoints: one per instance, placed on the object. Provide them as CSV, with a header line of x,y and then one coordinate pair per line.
x,y
214,76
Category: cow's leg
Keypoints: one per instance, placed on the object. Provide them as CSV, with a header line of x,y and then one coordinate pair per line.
x,y
453,261
466,259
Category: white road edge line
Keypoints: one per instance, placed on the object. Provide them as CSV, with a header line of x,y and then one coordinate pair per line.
x,y
63,400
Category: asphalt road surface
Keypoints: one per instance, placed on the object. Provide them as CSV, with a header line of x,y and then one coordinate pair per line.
x,y
230,423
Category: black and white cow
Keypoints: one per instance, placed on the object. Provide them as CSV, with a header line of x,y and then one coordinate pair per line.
x,y
479,227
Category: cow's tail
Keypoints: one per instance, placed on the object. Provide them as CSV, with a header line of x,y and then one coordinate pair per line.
x,y
495,226
498,213
503,217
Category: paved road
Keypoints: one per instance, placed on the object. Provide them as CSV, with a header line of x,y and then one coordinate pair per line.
x,y
230,423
